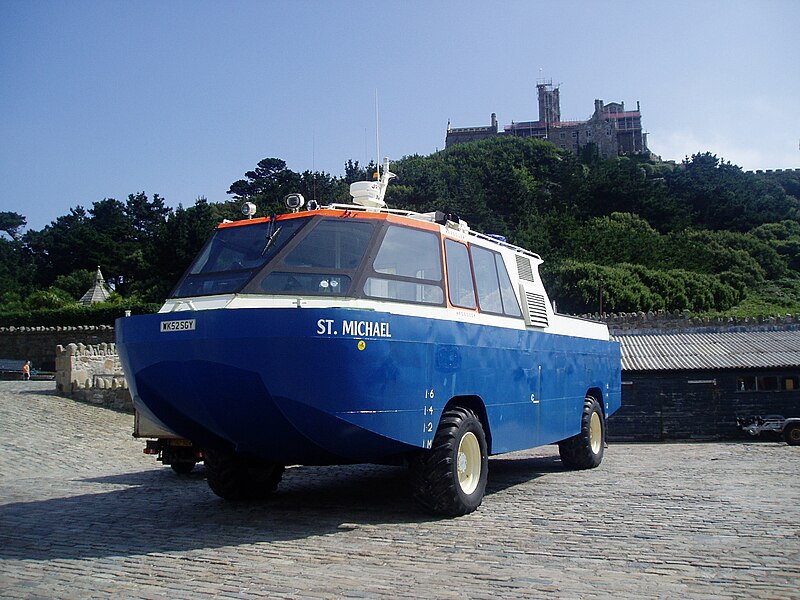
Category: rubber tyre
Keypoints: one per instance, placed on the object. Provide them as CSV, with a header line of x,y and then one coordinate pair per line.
x,y
791,434
184,467
236,477
585,450
450,478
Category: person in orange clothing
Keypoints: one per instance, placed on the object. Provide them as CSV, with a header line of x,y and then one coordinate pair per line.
x,y
26,370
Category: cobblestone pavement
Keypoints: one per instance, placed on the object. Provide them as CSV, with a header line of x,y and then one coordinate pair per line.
x,y
83,513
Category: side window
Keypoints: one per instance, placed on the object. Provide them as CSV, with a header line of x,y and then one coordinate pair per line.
x,y
486,280
510,304
459,275
409,253
408,267
495,293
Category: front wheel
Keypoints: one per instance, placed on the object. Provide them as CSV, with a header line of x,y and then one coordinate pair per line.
x,y
450,478
791,433
585,450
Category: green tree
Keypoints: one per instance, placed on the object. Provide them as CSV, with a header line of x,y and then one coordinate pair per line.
x,y
16,268
75,283
720,195
10,222
57,249
625,185
49,298
268,184
784,237
181,238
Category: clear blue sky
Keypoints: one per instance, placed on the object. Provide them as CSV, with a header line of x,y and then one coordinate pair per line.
x,y
106,98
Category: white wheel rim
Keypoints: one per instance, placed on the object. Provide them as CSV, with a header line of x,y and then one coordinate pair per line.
x,y
468,462
595,433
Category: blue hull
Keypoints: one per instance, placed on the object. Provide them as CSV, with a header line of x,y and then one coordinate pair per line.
x,y
321,386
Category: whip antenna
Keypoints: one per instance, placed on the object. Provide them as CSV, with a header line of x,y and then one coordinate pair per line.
x,y
377,136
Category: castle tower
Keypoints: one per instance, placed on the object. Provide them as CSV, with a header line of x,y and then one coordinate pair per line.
x,y
549,102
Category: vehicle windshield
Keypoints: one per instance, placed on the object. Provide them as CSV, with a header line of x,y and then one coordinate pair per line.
x,y
324,262
233,255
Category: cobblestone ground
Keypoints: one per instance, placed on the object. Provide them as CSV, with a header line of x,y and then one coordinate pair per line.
x,y
83,513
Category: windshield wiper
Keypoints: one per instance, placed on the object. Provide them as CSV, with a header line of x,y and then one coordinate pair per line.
x,y
272,235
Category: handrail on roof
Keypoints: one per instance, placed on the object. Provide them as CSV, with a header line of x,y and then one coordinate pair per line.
x,y
431,218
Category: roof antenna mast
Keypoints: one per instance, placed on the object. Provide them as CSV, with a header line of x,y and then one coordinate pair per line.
x,y
370,194
377,139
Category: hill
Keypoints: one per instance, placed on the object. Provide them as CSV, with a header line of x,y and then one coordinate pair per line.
x,y
701,235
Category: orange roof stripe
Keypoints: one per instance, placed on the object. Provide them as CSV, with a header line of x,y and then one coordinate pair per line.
x,y
339,213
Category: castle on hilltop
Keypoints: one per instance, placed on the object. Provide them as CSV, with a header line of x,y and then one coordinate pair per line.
x,y
612,129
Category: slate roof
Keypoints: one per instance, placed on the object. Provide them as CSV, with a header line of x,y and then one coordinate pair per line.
x,y
710,351
99,292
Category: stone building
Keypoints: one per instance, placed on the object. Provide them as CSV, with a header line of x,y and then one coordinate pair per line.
x,y
694,384
612,129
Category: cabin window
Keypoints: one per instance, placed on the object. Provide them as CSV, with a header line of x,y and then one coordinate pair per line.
x,y
409,253
332,245
459,275
495,292
486,281
306,283
408,267
233,255
323,262
405,291
510,304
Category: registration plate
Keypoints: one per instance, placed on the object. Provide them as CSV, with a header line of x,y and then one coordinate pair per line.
x,y
181,325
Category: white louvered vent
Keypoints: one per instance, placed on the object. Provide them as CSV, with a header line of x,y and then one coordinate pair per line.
x,y
535,309
524,268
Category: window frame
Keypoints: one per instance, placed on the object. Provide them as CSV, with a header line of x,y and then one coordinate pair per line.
x,y
368,272
249,274
759,384
279,265
465,246
495,256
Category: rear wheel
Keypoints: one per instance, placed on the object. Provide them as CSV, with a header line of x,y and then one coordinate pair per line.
x,y
585,450
450,479
791,433
183,467
237,477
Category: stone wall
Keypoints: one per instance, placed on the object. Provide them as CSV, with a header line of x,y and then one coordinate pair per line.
x,y
92,374
771,171
38,344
